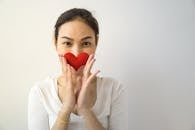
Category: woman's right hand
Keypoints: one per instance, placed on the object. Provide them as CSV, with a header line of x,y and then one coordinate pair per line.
x,y
66,87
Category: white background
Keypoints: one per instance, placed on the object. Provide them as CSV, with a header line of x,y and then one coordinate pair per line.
x,y
149,45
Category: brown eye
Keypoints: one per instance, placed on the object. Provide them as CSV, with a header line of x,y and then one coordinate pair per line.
x,y
69,44
86,44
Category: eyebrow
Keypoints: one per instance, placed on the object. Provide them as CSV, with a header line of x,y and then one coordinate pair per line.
x,y
67,37
87,37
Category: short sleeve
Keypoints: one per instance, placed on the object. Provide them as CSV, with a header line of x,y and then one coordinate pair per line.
x,y
37,115
118,119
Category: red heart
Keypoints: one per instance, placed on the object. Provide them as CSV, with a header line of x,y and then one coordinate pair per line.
x,y
76,62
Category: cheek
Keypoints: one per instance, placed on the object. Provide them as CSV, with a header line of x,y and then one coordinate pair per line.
x,y
62,50
90,51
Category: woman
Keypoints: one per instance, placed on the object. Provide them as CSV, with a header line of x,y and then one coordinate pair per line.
x,y
76,99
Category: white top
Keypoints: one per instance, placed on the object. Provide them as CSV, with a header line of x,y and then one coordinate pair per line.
x,y
44,104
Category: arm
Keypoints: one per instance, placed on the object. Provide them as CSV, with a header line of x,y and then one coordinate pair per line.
x,y
37,116
91,121
68,100
84,99
86,96
89,117
62,121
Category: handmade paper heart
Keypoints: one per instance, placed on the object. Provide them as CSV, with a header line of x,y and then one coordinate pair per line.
x,y
76,62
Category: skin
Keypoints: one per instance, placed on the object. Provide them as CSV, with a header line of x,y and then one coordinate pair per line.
x,y
77,89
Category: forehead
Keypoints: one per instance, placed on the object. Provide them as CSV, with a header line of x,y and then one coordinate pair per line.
x,y
75,29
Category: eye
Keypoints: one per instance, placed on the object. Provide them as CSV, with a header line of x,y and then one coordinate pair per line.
x,y
67,44
86,44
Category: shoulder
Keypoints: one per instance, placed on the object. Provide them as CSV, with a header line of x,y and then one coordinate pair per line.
x,y
43,86
110,93
109,84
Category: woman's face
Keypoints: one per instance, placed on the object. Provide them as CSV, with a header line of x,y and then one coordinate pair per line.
x,y
75,37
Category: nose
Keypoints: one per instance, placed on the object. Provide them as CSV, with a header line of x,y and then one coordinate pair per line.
x,y
76,50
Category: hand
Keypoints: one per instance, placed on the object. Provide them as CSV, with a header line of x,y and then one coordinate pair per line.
x,y
87,94
66,89
79,91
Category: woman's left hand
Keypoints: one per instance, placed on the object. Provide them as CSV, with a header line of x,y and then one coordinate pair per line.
x,y
87,94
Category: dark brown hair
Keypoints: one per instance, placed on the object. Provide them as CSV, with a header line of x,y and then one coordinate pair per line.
x,y
73,14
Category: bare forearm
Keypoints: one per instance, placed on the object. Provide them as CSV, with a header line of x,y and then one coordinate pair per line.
x,y
91,121
62,121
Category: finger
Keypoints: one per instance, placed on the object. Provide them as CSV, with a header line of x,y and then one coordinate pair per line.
x,y
79,80
92,76
90,57
64,65
78,87
88,61
89,66
69,76
80,70
64,61
73,70
60,58
74,75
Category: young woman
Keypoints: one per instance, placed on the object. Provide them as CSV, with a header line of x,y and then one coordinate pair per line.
x,y
76,99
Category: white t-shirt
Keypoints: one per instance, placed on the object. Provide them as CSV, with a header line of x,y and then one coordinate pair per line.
x,y
110,107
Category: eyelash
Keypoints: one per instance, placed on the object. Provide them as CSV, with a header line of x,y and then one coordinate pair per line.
x,y
67,43
89,43
83,44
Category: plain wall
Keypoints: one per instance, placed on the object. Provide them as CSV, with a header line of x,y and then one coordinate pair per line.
x,y
149,45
